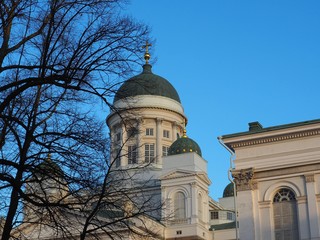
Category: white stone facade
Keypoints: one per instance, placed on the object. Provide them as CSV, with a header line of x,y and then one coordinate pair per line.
x,y
268,160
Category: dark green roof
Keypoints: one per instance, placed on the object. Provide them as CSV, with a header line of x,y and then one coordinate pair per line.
x,y
184,145
256,127
228,191
146,83
48,168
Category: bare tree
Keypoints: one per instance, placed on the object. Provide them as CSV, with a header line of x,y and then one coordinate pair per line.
x,y
59,60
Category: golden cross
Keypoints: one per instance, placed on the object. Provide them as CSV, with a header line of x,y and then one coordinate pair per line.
x,y
147,46
147,55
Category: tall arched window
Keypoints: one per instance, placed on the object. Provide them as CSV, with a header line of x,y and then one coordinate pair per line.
x,y
200,207
285,215
179,205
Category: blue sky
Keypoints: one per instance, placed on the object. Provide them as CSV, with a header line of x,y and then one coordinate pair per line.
x,y
235,62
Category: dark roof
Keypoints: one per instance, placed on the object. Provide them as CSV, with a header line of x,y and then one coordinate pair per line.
x,y
256,127
223,226
146,83
48,168
229,190
184,145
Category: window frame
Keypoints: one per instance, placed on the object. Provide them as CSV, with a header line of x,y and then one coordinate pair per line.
x,y
149,132
132,154
149,154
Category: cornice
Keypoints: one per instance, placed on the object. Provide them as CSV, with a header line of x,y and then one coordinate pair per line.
x,y
120,111
271,139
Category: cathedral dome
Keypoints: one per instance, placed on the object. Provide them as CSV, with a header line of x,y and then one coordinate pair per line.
x,y
228,191
49,168
184,145
147,83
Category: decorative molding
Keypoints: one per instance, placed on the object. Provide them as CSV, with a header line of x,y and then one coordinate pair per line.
x,y
277,138
244,179
300,170
309,178
265,204
302,199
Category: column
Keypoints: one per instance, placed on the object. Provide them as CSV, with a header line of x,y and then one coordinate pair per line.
x,y
158,141
124,147
139,136
312,207
194,205
174,131
244,186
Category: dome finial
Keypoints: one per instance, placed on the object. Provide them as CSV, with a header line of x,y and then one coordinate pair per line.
x,y
147,54
184,133
184,129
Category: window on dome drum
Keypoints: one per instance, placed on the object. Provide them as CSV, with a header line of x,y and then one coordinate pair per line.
x,y
149,131
285,215
166,134
118,137
165,151
214,215
179,205
149,153
132,154
117,158
132,132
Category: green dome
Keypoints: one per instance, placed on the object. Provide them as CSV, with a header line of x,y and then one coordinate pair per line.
x,y
147,83
49,168
228,191
184,145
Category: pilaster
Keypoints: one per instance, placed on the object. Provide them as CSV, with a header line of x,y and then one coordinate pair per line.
x,y
245,185
312,207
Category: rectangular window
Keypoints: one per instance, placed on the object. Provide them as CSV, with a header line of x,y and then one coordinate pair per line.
x,y
132,154
214,215
165,150
149,153
149,132
132,132
229,216
118,137
166,134
117,157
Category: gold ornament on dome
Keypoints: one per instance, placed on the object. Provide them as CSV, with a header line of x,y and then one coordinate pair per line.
x,y
147,54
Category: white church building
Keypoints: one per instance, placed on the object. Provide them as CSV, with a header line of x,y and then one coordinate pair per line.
x,y
276,170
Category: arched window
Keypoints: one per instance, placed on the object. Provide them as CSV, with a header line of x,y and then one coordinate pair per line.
x,y
179,205
285,215
200,207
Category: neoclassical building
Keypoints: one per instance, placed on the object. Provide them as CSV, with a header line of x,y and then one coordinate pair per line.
x,y
275,191
147,127
277,176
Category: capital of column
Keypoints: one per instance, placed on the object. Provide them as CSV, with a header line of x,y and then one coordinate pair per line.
x,y
309,178
159,120
244,179
193,184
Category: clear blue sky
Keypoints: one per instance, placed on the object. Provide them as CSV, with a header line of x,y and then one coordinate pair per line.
x,y
235,62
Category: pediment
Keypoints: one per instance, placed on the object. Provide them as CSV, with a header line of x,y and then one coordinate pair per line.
x,y
184,173
177,174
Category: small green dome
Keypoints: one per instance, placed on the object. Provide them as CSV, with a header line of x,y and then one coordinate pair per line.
x,y
146,83
184,145
49,168
228,191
